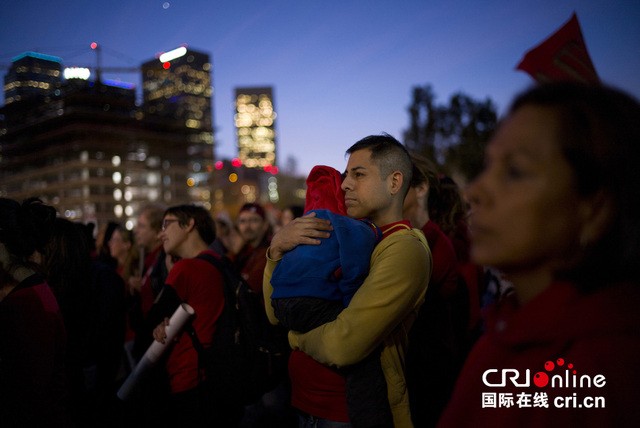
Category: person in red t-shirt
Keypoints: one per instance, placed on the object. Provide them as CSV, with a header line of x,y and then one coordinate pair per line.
x,y
249,260
187,230
145,287
154,272
33,340
437,337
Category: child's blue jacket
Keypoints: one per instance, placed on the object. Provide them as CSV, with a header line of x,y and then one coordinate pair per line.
x,y
313,270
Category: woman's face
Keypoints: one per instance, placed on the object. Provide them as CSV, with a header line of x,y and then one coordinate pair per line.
x,y
525,209
118,247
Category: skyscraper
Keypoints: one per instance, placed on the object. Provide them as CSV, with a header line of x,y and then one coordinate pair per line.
x,y
32,76
255,127
177,86
176,90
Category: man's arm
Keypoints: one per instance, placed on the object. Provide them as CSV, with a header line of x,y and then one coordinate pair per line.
x,y
396,285
303,230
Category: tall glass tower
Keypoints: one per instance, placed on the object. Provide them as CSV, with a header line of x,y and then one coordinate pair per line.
x,y
255,127
176,86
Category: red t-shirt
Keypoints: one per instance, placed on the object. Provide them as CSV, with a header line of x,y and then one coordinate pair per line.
x,y
445,261
199,284
317,389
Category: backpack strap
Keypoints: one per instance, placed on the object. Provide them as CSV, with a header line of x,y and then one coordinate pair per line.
x,y
376,229
220,265
225,267
194,337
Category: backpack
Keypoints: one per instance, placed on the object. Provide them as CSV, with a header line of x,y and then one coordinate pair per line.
x,y
248,356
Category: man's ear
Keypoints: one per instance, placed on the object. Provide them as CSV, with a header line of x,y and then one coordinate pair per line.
x,y
395,182
191,225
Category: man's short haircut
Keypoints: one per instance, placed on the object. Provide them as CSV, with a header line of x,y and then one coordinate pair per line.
x,y
203,221
155,215
390,156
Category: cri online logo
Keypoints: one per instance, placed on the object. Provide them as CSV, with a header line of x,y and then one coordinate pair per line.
x,y
568,379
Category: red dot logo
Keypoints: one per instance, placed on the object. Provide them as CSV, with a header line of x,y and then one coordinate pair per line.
x,y
560,361
548,366
541,379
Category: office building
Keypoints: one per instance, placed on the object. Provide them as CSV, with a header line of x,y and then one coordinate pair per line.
x,y
177,86
32,76
255,127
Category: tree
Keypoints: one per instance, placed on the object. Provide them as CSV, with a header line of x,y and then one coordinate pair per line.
x,y
453,135
420,137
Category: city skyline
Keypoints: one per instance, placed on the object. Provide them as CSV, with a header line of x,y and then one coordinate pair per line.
x,y
339,71
87,149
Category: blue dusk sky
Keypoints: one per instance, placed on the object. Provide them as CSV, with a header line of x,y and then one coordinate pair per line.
x,y
340,69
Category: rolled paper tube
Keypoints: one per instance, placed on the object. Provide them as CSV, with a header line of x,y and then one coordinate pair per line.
x,y
176,323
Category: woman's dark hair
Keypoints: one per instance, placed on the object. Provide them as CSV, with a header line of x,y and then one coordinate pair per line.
x,y
444,202
600,139
450,212
103,252
66,260
67,267
25,228
296,210
132,260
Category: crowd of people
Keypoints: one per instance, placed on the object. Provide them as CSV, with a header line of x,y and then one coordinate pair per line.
x,y
403,297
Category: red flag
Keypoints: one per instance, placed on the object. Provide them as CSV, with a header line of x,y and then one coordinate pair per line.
x,y
563,56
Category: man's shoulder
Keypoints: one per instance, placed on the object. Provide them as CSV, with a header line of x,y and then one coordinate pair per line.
x,y
403,242
197,264
407,246
405,237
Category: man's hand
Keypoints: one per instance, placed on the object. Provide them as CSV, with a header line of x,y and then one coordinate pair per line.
x,y
303,230
159,333
135,284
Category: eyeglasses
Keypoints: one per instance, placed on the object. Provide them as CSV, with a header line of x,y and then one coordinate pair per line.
x,y
166,222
